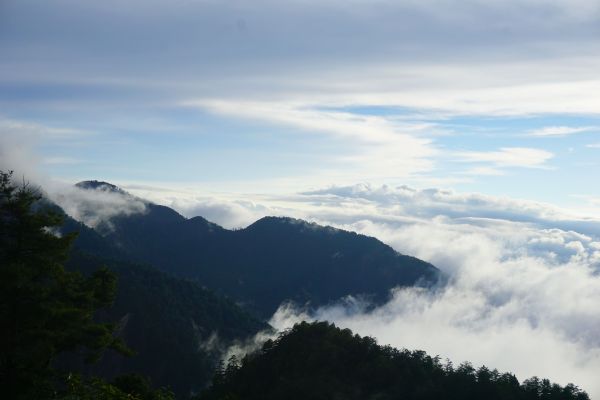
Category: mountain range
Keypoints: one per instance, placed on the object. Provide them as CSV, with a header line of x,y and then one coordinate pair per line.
x,y
188,288
275,259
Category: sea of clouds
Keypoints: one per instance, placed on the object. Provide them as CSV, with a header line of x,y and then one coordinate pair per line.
x,y
524,289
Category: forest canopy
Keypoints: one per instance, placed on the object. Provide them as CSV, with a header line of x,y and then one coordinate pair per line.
x,y
320,361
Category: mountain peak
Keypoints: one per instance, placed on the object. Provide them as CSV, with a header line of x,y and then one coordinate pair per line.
x,y
276,221
274,224
100,185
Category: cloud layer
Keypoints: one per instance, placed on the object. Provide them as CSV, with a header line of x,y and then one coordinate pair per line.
x,y
476,57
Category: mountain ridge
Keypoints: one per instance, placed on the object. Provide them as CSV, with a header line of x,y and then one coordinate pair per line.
x,y
164,319
274,259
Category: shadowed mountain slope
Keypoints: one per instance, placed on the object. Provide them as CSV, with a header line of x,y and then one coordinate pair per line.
x,y
273,260
177,328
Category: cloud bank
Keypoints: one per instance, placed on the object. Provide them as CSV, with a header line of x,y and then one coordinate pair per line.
x,y
524,296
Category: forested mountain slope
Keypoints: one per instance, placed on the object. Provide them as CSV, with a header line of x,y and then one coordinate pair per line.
x,y
176,327
271,261
320,361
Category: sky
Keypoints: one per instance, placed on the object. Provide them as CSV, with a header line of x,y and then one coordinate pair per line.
x,y
466,133
496,97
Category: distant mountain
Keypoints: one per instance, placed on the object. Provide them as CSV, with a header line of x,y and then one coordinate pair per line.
x,y
320,361
177,328
100,185
271,261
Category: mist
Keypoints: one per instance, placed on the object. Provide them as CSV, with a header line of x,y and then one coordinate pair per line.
x,y
95,207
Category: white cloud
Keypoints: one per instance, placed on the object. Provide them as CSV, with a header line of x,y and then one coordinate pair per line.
x,y
593,145
19,142
484,171
381,147
478,57
61,161
559,130
94,207
16,155
508,157
34,130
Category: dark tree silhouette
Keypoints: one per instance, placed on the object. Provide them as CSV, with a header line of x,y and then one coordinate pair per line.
x,y
320,361
45,310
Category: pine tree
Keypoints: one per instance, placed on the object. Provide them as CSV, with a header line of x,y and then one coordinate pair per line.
x,y
45,310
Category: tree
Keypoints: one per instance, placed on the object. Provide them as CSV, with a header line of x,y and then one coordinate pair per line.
x,y
126,387
45,310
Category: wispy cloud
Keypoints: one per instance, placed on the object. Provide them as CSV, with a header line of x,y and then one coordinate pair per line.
x,y
37,131
494,58
381,147
20,142
508,157
484,171
593,145
559,130
61,161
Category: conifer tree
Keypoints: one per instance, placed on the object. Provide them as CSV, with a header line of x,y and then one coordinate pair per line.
x,y
45,310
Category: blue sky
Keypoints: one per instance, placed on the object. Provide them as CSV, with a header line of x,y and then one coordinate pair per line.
x,y
500,98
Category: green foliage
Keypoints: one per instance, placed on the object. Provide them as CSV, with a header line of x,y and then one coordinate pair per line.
x,y
168,322
127,387
320,361
44,309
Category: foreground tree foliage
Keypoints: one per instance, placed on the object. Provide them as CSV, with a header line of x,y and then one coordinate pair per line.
x,y
126,387
320,361
176,328
46,310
